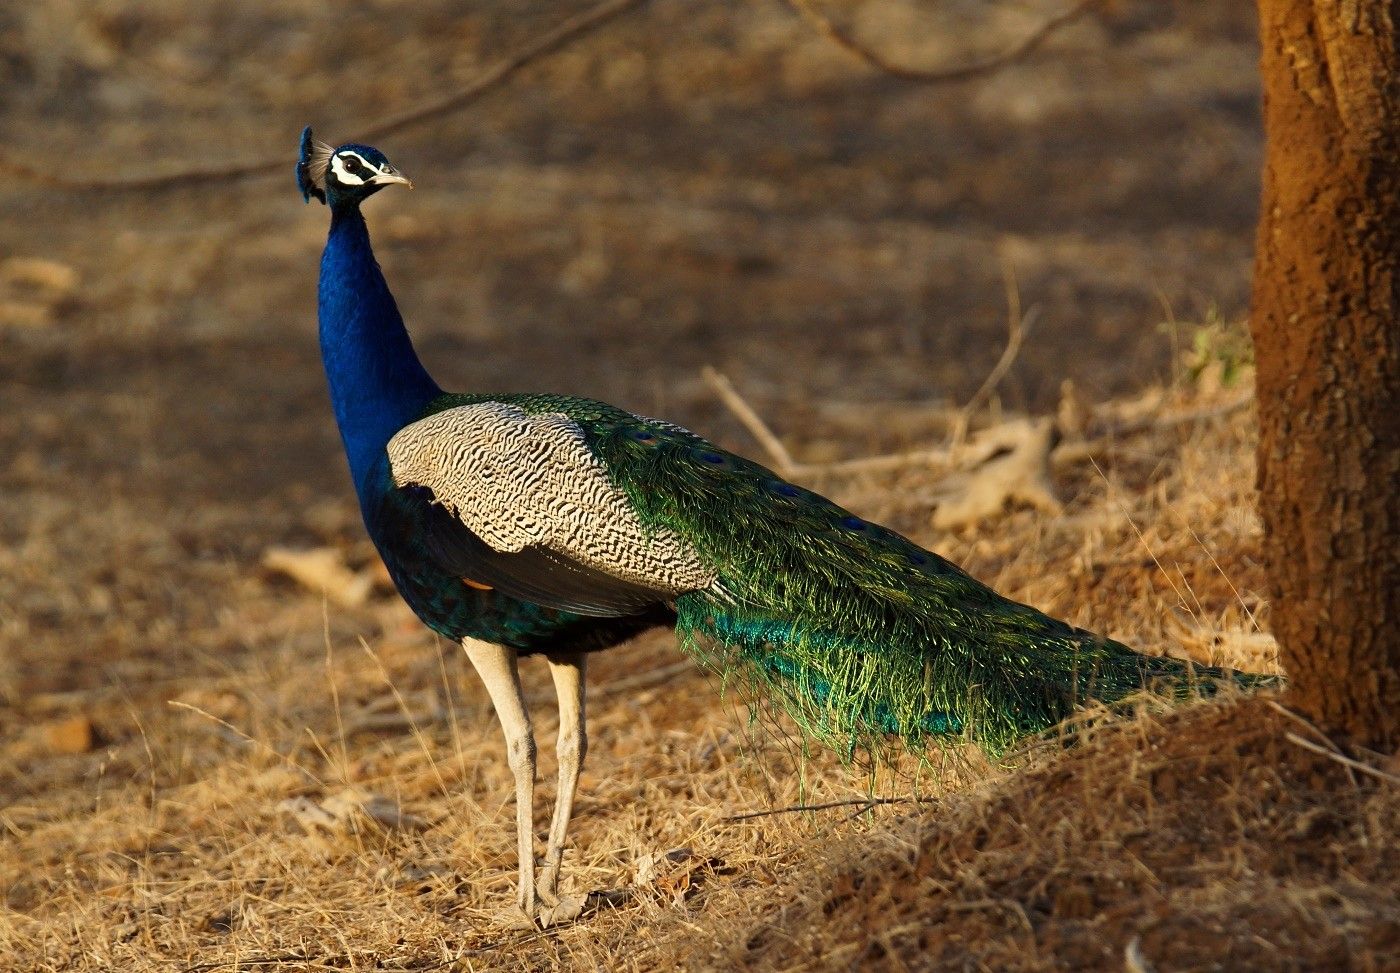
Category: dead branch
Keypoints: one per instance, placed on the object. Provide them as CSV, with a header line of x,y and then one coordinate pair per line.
x,y
734,402
864,802
497,75
1078,451
880,464
1017,324
1133,960
1342,759
1304,722
985,443
645,680
275,960
489,80
1010,905
1312,728
322,570
842,38
782,460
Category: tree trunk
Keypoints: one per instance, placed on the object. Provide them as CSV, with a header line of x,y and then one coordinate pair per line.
x,y
1326,324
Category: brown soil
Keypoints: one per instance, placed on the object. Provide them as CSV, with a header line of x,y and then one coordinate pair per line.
x,y
1198,840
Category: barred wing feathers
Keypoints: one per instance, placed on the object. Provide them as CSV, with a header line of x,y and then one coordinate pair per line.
x,y
518,501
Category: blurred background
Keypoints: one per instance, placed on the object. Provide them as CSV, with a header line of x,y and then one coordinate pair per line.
x,y
695,183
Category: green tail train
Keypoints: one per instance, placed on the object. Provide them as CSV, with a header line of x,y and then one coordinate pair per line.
x,y
856,630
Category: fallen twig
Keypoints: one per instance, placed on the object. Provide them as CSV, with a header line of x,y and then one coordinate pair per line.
x,y
866,802
1010,905
501,72
1080,450
880,464
1341,758
277,960
1133,960
1302,721
1017,324
757,428
1013,464
842,38
1316,731
1063,454
493,77
782,460
628,684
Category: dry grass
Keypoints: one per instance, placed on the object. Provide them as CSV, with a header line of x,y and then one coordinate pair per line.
x,y
1200,839
214,824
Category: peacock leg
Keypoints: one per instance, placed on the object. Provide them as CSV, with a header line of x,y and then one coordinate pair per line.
x,y
568,670
497,666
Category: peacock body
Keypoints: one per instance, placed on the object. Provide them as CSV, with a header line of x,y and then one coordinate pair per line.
x,y
524,524
859,630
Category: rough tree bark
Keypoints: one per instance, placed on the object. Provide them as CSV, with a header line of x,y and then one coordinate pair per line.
x,y
1326,324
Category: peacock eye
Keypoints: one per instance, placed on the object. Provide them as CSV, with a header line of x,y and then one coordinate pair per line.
x,y
352,165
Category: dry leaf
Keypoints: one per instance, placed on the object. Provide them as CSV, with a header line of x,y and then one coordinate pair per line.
x,y
1015,465
322,569
72,735
55,279
675,873
25,314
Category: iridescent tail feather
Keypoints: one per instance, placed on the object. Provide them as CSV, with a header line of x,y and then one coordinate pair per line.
x,y
857,696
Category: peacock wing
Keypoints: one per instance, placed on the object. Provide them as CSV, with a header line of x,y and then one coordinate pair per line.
x,y
517,501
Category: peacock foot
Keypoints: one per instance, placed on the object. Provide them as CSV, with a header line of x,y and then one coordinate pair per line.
x,y
555,908
547,909
566,908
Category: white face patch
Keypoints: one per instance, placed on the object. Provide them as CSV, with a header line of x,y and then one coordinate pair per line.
x,y
366,171
344,177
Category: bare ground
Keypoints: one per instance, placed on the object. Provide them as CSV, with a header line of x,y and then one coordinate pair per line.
x,y
188,739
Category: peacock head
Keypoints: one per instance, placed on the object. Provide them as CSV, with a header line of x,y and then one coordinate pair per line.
x,y
348,174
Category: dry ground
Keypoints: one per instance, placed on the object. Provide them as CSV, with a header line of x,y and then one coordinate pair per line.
x,y
204,765
342,802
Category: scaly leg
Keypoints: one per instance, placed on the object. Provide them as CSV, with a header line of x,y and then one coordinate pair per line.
x,y
496,664
568,670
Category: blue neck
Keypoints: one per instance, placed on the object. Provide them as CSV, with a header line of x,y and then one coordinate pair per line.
x,y
377,383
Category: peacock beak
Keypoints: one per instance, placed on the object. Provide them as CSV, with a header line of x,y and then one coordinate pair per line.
x,y
391,176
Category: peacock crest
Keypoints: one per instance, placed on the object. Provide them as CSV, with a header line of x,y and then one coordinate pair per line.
x,y
314,160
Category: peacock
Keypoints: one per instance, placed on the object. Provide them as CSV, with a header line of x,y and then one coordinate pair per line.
x,y
535,524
